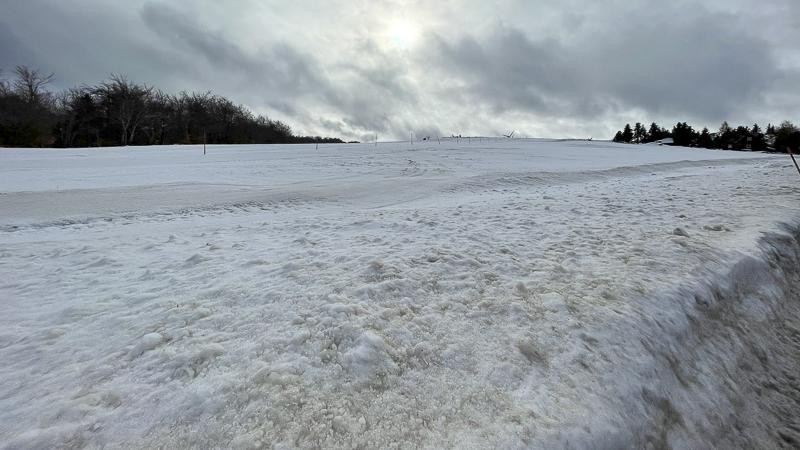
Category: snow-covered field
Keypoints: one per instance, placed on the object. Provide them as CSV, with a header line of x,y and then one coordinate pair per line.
x,y
482,294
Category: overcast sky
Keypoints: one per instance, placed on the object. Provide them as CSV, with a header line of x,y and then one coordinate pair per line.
x,y
351,68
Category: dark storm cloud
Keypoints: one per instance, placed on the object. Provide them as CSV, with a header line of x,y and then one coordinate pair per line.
x,y
180,30
11,48
81,45
507,69
280,71
674,62
575,67
661,62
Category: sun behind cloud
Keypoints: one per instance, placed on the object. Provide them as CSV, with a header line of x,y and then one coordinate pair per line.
x,y
402,34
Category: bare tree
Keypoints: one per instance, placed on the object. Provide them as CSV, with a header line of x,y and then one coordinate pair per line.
x,y
30,84
5,89
126,104
155,122
119,112
75,108
67,127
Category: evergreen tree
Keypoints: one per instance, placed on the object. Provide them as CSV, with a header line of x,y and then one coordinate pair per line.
x,y
627,133
704,140
783,135
683,134
723,137
727,137
639,133
757,143
656,133
739,138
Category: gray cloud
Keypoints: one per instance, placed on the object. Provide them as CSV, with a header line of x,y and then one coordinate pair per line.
x,y
576,67
507,70
277,75
696,68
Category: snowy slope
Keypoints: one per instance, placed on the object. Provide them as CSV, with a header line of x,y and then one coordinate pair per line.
x,y
499,293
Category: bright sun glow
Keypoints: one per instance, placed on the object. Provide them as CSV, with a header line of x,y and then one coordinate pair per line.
x,y
402,34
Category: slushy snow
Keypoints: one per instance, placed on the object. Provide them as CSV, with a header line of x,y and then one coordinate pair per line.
x,y
482,294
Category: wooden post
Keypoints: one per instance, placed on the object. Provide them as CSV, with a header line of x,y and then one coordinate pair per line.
x,y
205,139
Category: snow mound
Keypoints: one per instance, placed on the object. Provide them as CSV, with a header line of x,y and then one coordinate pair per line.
x,y
370,359
148,342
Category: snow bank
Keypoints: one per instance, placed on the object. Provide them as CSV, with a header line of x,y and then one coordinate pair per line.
x,y
716,361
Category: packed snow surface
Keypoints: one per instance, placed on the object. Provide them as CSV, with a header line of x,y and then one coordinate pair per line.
x,y
464,294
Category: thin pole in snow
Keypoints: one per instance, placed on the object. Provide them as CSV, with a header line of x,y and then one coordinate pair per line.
x,y
793,160
205,139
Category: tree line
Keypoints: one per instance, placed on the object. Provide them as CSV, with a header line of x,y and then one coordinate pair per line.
x,y
740,138
120,112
